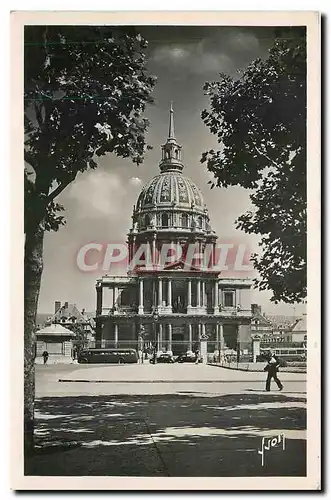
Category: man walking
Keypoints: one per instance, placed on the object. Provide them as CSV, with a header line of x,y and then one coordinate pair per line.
x,y
45,356
272,367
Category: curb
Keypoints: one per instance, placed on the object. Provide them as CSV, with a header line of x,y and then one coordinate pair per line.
x,y
165,381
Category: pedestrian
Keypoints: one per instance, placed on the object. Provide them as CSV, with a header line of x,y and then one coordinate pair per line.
x,y
45,356
197,356
271,367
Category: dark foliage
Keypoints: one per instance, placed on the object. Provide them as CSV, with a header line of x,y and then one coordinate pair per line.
x,y
260,124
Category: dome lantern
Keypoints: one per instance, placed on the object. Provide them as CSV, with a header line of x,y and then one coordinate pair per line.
x,y
171,150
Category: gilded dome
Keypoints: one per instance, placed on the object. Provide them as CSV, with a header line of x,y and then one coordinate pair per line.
x,y
170,201
170,188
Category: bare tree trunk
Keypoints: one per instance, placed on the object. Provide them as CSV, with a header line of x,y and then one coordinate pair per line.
x,y
33,267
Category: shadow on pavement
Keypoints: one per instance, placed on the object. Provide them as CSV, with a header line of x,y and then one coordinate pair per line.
x,y
168,435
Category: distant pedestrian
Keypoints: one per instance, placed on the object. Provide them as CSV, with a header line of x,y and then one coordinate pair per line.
x,y
197,355
272,366
45,356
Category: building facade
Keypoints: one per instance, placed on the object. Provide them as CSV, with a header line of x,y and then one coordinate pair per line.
x,y
178,305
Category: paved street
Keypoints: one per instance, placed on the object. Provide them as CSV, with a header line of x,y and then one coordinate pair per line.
x,y
194,421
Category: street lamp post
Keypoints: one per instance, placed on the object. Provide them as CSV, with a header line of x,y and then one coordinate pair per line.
x,y
155,320
141,342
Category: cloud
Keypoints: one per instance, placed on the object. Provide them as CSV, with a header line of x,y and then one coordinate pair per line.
x,y
136,181
214,53
96,193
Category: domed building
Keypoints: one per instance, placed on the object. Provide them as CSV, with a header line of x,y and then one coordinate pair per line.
x,y
173,298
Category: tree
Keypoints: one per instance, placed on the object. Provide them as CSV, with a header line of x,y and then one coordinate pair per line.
x,y
260,123
85,90
81,339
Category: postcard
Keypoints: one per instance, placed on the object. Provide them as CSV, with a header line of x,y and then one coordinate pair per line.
x,y
166,170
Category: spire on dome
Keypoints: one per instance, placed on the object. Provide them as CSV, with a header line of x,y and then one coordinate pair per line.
x,y
171,124
171,150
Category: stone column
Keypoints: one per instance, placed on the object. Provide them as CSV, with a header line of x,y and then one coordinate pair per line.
x,y
203,293
198,292
154,251
133,251
170,337
169,294
160,292
216,296
99,300
115,334
189,293
221,336
115,292
130,246
203,342
98,323
256,347
141,297
214,255
160,340
244,338
220,343
190,336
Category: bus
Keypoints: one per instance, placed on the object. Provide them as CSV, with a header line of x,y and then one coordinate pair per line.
x,y
286,353
119,356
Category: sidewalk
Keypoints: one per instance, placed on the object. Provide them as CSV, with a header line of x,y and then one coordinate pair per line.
x,y
175,373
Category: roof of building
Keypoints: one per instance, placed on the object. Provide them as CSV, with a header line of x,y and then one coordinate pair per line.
x,y
282,320
69,311
261,319
55,329
300,325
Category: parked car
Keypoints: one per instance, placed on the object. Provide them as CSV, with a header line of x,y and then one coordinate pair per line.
x,y
163,358
187,358
119,356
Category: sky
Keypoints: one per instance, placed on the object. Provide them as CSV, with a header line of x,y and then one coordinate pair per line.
x,y
99,203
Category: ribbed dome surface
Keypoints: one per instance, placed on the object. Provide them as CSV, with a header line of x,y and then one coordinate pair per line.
x,y
170,188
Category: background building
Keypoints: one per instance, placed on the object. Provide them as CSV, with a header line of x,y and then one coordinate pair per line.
x,y
57,341
174,308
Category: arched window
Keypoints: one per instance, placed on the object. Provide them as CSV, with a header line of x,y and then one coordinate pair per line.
x,y
147,220
184,220
200,221
165,220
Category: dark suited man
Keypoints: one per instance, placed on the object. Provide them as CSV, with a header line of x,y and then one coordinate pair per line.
x,y
272,367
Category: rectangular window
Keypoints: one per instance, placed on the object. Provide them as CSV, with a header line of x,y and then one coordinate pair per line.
x,y
228,299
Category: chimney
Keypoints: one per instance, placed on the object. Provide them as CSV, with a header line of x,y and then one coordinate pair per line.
x,y
57,305
66,305
256,309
